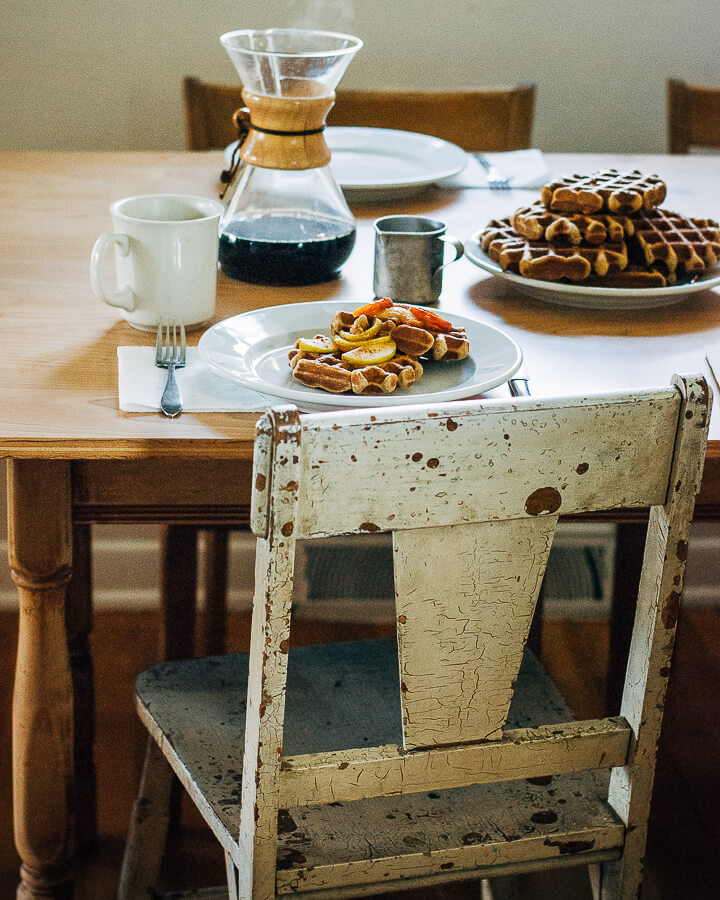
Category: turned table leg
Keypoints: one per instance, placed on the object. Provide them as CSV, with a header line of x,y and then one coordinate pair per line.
x,y
78,624
40,548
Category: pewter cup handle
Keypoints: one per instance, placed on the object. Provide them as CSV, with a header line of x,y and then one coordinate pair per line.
x,y
459,251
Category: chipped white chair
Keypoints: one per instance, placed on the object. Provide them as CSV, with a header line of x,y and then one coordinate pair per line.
x,y
344,774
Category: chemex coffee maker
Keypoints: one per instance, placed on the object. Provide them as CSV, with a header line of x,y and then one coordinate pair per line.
x,y
286,220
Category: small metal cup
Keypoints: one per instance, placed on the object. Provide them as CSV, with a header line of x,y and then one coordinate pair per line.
x,y
409,258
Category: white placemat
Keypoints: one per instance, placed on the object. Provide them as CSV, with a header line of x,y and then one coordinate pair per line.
x,y
527,168
141,383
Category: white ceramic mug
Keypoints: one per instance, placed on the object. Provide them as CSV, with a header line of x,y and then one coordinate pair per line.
x,y
166,254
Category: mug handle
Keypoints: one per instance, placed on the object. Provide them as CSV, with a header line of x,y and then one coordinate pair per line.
x,y
125,297
459,251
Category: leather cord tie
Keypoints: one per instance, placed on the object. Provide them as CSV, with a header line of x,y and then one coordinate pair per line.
x,y
241,120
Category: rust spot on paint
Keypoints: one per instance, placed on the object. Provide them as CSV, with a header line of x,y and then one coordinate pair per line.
x,y
260,482
284,646
291,486
544,817
566,847
451,426
582,468
353,457
287,529
447,865
665,672
402,619
543,500
403,687
416,457
286,823
433,463
343,765
671,609
682,551
688,414
369,526
506,437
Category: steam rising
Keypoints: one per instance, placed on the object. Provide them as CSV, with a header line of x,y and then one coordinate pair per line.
x,y
324,15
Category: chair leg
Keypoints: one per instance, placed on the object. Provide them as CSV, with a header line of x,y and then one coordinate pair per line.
x,y
629,550
148,828
621,879
232,878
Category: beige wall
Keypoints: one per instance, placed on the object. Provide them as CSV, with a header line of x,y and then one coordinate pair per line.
x,y
106,75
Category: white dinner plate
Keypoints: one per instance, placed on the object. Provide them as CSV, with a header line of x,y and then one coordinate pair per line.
x,y
586,296
373,162
252,348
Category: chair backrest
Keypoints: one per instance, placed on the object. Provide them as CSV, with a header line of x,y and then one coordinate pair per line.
x,y
693,116
491,119
471,493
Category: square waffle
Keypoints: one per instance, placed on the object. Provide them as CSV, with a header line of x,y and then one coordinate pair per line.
x,y
539,224
682,244
548,262
608,190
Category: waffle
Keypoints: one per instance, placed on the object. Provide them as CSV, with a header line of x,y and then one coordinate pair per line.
x,y
682,244
635,275
329,373
608,189
538,259
536,223
411,340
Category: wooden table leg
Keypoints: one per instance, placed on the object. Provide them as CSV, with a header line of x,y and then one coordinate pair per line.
x,y
79,622
179,591
40,552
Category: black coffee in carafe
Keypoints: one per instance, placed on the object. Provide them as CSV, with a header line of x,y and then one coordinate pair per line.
x,y
285,248
286,221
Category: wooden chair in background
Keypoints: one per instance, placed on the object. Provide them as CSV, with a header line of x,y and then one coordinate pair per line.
x,y
330,769
693,116
492,119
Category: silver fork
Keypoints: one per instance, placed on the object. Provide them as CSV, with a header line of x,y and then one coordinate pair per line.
x,y
170,355
496,181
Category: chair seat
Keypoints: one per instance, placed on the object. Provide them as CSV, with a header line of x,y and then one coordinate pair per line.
x,y
187,705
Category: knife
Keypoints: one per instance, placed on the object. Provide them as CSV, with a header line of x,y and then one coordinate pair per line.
x,y
518,384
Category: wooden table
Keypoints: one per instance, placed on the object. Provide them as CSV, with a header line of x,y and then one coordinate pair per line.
x,y
75,459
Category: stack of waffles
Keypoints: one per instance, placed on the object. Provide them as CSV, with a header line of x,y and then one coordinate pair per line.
x,y
604,229
377,348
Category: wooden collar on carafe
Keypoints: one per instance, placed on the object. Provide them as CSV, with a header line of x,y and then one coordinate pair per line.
x,y
285,132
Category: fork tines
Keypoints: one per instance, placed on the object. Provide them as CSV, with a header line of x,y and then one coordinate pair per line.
x,y
167,348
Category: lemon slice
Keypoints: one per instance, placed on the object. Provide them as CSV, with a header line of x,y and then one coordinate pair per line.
x,y
371,353
316,345
342,344
369,332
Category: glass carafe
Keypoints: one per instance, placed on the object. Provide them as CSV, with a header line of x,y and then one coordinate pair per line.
x,y
286,220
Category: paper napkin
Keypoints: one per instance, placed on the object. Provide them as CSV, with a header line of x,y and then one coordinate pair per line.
x,y
527,168
141,383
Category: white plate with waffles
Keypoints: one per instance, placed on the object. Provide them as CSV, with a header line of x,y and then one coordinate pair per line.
x,y
252,348
385,163
590,296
